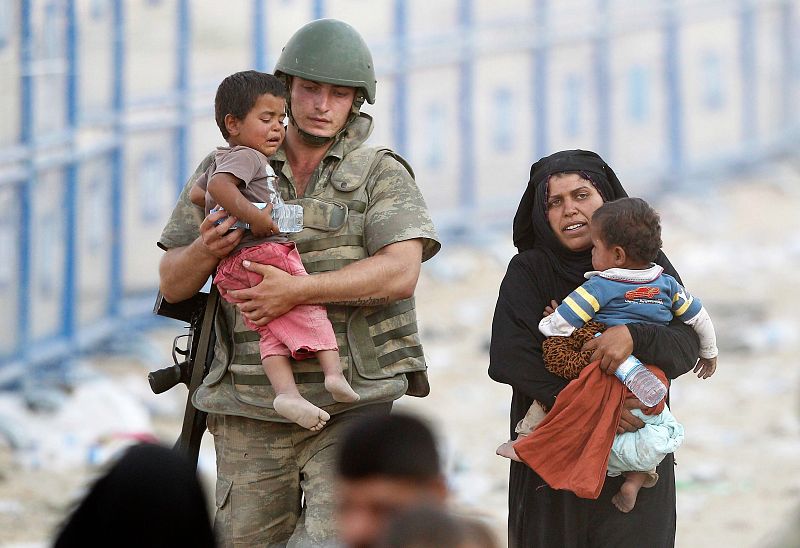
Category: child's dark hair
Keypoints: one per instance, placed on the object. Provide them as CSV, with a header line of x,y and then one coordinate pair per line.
x,y
631,224
238,93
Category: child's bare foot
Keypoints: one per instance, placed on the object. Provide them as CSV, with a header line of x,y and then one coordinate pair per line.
x,y
339,388
298,409
625,500
507,450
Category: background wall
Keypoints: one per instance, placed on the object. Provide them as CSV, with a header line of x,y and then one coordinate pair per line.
x,y
107,107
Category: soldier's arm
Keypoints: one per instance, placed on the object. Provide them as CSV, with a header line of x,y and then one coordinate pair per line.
x,y
184,270
389,275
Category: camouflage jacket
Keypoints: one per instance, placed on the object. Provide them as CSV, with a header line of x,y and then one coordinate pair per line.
x,y
359,200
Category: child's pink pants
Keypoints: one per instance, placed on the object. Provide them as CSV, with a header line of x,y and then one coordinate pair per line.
x,y
300,332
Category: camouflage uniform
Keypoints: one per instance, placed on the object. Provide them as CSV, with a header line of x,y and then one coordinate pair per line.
x,y
359,200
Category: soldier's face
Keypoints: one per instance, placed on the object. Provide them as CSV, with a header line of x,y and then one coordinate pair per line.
x,y
366,506
320,109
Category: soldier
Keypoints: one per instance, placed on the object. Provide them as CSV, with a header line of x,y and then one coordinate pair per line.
x,y
367,230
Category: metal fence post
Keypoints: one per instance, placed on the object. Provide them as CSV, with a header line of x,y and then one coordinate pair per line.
x,y
672,77
183,89
400,112
117,159
466,104
26,140
539,82
70,303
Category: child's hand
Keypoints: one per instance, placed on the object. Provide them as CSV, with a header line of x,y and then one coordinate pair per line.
x,y
549,309
705,367
264,225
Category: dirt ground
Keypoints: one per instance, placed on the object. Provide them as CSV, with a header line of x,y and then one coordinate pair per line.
x,y
738,473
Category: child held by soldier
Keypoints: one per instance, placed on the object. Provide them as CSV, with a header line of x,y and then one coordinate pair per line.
x,y
250,109
627,286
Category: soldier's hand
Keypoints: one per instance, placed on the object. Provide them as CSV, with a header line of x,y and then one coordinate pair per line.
x,y
218,239
270,298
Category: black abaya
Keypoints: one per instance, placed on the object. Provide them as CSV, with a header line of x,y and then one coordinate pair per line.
x,y
545,271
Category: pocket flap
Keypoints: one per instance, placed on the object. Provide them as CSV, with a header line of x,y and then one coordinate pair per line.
x,y
223,491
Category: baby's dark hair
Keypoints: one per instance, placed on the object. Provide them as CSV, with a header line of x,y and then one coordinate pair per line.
x,y
238,93
631,224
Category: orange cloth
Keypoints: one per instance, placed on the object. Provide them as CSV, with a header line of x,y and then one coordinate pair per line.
x,y
569,449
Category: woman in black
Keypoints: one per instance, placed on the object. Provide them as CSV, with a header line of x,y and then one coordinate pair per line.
x,y
551,234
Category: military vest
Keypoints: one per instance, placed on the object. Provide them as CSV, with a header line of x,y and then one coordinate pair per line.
x,y
379,346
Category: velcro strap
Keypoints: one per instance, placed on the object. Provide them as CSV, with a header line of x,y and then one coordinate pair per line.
x,y
397,355
262,380
328,243
394,309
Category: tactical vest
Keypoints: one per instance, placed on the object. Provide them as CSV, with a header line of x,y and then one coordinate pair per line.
x,y
379,346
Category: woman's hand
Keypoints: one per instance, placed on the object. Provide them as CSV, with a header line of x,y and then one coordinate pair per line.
x,y
218,239
270,298
611,348
628,422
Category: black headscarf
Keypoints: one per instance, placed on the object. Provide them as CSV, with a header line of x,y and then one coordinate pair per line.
x,y
150,497
531,227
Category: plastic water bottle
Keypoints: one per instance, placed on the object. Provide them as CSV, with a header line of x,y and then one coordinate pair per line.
x,y
641,381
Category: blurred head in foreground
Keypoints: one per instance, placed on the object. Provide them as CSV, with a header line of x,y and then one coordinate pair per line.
x,y
432,527
386,464
150,497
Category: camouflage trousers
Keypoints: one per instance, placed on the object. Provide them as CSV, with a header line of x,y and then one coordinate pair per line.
x,y
275,481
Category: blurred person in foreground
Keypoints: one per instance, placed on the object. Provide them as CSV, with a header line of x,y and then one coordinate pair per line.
x,y
149,497
551,232
387,464
366,231
432,527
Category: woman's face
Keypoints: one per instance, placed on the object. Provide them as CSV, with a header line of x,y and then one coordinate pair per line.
x,y
571,200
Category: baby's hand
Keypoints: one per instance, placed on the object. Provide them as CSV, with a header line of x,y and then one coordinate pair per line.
x,y
549,309
705,367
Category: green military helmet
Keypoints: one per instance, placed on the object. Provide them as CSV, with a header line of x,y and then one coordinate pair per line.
x,y
331,52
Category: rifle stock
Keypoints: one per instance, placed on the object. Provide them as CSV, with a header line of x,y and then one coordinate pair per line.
x,y
198,311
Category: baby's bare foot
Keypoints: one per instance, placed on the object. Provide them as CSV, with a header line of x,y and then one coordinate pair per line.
x,y
298,409
625,500
339,388
507,450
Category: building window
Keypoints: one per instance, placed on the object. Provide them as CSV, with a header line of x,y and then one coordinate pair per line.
x,y
638,94
96,231
503,120
572,105
45,266
712,84
435,130
98,9
6,13
152,182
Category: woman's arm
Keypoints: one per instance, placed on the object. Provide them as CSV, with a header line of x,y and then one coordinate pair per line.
x,y
515,353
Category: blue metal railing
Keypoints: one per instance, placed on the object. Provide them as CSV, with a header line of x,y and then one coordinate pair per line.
x,y
459,48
